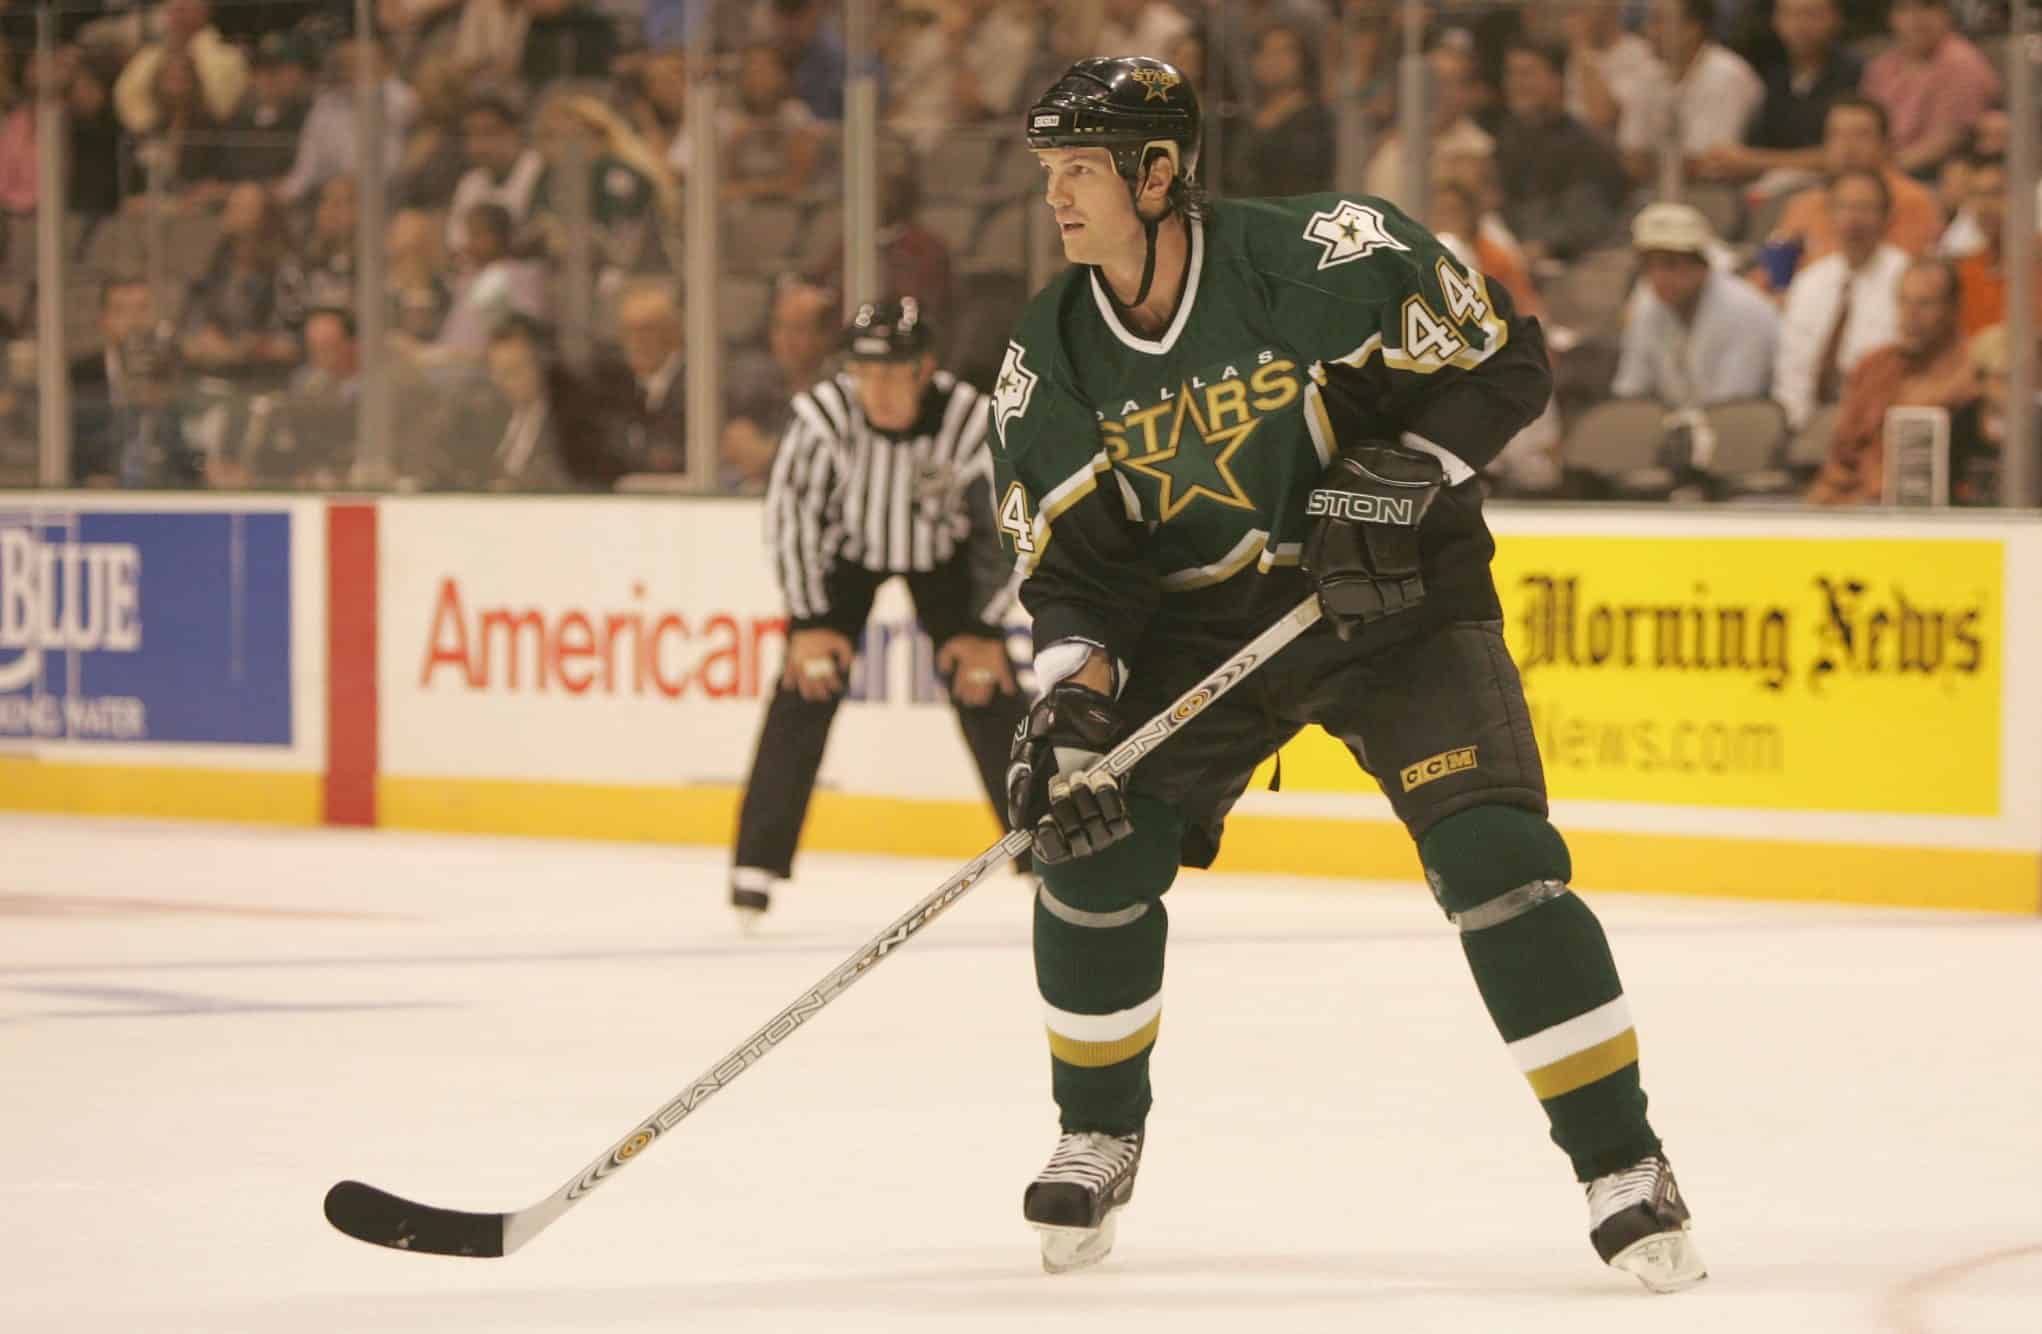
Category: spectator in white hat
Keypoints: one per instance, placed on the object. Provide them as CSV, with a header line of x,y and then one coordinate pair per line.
x,y
1696,335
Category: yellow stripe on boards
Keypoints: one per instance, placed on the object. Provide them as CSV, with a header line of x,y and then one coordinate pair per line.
x,y
1970,879
1092,1055
171,792
1585,1067
837,821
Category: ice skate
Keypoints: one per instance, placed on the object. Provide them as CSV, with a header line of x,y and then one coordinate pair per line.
x,y
1639,1223
1075,1200
751,895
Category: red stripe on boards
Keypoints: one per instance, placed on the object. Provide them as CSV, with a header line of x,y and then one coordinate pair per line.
x,y
351,664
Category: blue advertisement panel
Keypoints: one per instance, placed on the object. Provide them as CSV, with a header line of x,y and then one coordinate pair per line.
x,y
145,626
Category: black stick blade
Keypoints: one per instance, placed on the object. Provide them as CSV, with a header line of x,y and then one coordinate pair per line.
x,y
382,1219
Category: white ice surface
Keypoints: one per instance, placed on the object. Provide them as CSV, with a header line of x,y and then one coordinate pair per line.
x,y
1853,1100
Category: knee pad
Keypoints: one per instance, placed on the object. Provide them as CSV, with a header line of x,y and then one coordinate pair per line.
x,y
1135,870
1490,864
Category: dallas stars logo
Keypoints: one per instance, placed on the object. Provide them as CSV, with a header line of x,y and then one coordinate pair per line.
x,y
1013,389
1350,231
1156,84
1188,467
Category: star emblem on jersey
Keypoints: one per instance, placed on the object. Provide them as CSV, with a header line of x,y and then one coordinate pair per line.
x,y
1350,231
1012,390
1194,463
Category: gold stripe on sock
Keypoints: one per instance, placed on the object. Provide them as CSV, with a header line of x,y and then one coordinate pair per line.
x,y
1092,1055
1586,1066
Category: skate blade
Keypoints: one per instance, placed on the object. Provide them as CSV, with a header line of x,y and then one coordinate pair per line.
x,y
750,921
1066,1249
1668,1262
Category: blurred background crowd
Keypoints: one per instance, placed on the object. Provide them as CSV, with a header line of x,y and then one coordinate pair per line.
x,y
484,244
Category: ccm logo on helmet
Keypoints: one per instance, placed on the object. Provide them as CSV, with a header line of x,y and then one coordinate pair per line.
x,y
1048,118
1363,509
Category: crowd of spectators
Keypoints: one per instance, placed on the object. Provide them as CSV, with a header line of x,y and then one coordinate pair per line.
x,y
1842,163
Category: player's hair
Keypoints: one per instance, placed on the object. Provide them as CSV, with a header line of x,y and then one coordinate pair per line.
x,y
1186,197
1864,104
1878,183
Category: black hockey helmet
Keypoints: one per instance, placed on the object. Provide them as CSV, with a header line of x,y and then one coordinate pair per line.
x,y
888,331
1135,107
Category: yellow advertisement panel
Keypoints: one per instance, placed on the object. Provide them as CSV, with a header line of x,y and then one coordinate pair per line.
x,y
1774,673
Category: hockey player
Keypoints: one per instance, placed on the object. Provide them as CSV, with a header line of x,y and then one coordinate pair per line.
x,y
1220,408
883,472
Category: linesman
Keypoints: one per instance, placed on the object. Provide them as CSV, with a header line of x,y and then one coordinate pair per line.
x,y
883,472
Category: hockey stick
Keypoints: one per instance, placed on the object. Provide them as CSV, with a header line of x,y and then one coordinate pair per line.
x,y
383,1219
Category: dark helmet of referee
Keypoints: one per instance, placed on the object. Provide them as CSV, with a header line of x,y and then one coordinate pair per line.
x,y
1137,108
890,356
888,331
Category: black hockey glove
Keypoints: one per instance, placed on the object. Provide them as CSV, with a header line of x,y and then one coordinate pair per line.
x,y
1072,815
1362,549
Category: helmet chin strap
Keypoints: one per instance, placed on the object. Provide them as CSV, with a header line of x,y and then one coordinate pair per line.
x,y
1149,227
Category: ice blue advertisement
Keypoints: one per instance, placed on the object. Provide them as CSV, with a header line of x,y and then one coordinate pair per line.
x,y
144,626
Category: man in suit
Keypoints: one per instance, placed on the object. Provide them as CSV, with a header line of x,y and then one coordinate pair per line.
x,y
100,382
526,454
140,443
656,414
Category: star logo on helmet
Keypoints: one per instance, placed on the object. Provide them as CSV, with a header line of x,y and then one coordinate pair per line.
x,y
1350,231
1012,390
1157,83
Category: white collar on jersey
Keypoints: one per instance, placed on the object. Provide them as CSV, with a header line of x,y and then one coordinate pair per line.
x,y
1158,346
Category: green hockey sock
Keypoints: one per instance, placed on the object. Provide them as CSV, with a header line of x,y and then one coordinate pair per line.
x,y
1100,929
1545,973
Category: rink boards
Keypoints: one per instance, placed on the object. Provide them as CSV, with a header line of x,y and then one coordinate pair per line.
x,y
1759,703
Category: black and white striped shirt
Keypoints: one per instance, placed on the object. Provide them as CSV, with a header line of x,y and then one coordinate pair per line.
x,y
843,491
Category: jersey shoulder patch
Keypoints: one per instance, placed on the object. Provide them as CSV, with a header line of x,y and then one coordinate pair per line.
x,y
1347,231
1305,237
1013,388
1035,363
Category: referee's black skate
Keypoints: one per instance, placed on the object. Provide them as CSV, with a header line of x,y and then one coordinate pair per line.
x,y
1639,1223
1074,1201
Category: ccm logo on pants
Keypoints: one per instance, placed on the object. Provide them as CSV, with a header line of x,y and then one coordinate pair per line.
x,y
1439,766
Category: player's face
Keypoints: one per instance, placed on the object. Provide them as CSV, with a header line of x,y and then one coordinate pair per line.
x,y
890,392
1094,214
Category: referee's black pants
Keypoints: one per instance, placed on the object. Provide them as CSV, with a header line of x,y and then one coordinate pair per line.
x,y
797,730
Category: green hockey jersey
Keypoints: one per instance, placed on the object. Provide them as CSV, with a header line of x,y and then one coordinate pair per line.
x,y
1163,480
